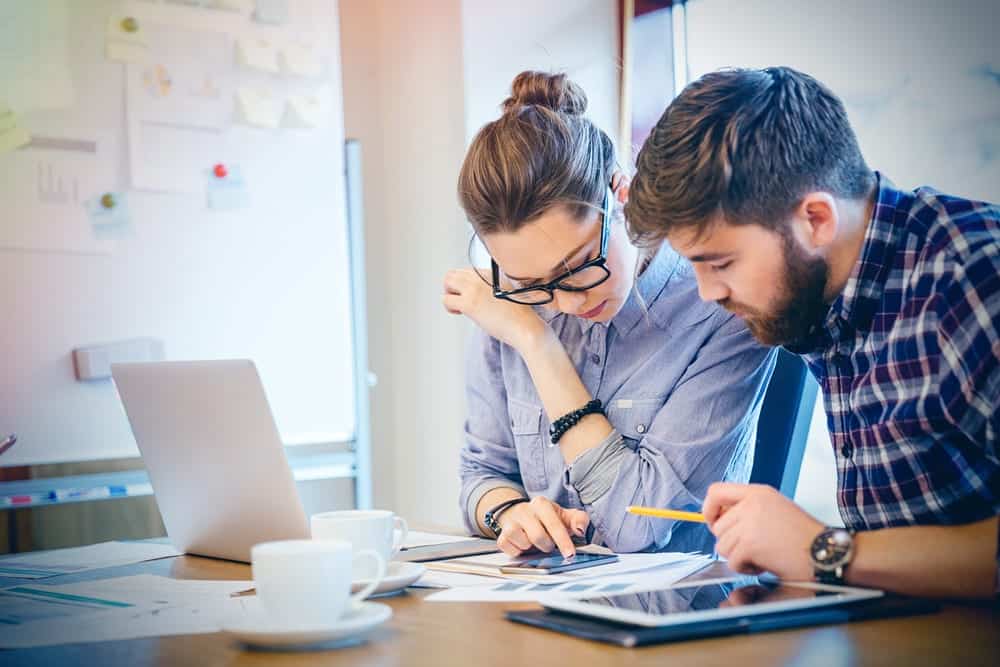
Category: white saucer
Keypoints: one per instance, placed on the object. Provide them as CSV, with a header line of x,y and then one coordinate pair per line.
x,y
398,576
259,629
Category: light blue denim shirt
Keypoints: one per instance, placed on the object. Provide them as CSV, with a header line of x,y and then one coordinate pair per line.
x,y
682,382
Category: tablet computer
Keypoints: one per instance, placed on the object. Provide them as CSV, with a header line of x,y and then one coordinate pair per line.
x,y
710,600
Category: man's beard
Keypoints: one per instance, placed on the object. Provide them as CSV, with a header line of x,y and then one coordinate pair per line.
x,y
798,309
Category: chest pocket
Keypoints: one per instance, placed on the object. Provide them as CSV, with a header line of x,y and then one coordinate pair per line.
x,y
634,417
526,425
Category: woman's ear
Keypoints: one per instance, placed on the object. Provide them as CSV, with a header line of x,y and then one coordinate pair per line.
x,y
619,185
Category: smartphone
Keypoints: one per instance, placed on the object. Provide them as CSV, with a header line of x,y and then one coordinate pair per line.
x,y
554,564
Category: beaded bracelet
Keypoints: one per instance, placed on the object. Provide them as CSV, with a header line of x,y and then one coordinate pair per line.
x,y
568,421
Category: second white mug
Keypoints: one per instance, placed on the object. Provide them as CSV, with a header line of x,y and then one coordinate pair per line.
x,y
364,529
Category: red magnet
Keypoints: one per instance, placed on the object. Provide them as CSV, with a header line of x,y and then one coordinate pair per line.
x,y
220,170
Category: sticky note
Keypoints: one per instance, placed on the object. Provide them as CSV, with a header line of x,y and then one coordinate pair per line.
x,y
257,53
257,107
300,60
271,11
232,5
311,110
12,135
228,190
108,209
126,40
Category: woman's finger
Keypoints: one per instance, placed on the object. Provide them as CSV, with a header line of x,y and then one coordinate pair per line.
x,y
540,538
556,528
452,303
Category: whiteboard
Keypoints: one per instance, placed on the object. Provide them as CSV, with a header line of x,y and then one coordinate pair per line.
x,y
267,280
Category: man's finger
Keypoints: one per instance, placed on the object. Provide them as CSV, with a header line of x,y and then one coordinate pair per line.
x,y
729,520
720,496
553,523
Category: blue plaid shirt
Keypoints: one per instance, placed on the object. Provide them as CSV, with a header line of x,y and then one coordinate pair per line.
x,y
909,362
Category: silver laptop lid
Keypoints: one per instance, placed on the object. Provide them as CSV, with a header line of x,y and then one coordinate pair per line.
x,y
213,453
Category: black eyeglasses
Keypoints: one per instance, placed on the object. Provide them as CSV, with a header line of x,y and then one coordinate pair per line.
x,y
588,275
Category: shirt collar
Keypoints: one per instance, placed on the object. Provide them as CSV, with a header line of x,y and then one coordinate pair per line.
x,y
858,302
648,287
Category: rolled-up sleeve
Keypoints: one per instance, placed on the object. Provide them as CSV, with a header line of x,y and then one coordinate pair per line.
x,y
489,458
703,433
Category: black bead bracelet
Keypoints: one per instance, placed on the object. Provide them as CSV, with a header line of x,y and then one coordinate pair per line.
x,y
568,421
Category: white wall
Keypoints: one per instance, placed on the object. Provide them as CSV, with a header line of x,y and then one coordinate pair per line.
x,y
403,99
419,80
502,39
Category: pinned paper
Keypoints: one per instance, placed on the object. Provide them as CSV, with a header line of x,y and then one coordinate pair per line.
x,y
12,135
300,60
257,107
309,111
271,11
257,53
226,188
109,209
126,40
242,6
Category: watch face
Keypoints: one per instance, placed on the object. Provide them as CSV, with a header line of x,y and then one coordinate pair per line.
x,y
831,548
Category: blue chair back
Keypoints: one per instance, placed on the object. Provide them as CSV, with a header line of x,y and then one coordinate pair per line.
x,y
783,426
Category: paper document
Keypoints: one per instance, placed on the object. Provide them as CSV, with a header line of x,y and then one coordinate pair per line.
x,y
114,609
525,591
489,565
78,559
436,579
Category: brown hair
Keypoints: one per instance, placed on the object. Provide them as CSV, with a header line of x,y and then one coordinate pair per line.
x,y
746,144
541,153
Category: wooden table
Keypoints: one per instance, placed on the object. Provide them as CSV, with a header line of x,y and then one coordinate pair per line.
x,y
451,633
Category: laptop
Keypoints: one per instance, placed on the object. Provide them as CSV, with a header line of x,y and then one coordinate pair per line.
x,y
213,454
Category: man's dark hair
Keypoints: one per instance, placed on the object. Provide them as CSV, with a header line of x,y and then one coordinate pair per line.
x,y
747,144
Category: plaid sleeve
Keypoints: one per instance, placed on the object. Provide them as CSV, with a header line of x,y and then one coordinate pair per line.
x,y
968,373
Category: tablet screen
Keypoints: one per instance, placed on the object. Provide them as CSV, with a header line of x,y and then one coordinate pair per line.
x,y
711,596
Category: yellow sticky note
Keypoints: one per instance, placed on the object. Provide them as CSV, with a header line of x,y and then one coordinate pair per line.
x,y
300,60
126,40
310,110
8,119
12,135
13,139
257,53
257,107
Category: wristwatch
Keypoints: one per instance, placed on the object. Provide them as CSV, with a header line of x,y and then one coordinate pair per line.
x,y
831,552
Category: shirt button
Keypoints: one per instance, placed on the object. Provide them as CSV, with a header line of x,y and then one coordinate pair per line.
x,y
847,450
596,358
641,428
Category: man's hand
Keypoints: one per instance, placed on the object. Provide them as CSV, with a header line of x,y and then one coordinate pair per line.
x,y
540,524
758,530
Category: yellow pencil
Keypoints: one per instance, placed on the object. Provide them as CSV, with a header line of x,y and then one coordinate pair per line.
x,y
677,515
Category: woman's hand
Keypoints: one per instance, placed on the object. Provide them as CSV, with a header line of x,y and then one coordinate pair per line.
x,y
515,324
540,524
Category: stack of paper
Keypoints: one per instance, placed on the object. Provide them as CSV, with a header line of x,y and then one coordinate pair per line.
x,y
78,559
113,609
631,576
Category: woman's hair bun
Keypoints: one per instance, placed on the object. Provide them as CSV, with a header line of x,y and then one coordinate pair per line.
x,y
554,91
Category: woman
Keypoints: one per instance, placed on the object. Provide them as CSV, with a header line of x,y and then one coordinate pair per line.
x,y
569,314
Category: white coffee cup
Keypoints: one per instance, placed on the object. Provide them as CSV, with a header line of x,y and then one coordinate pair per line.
x,y
308,582
364,529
